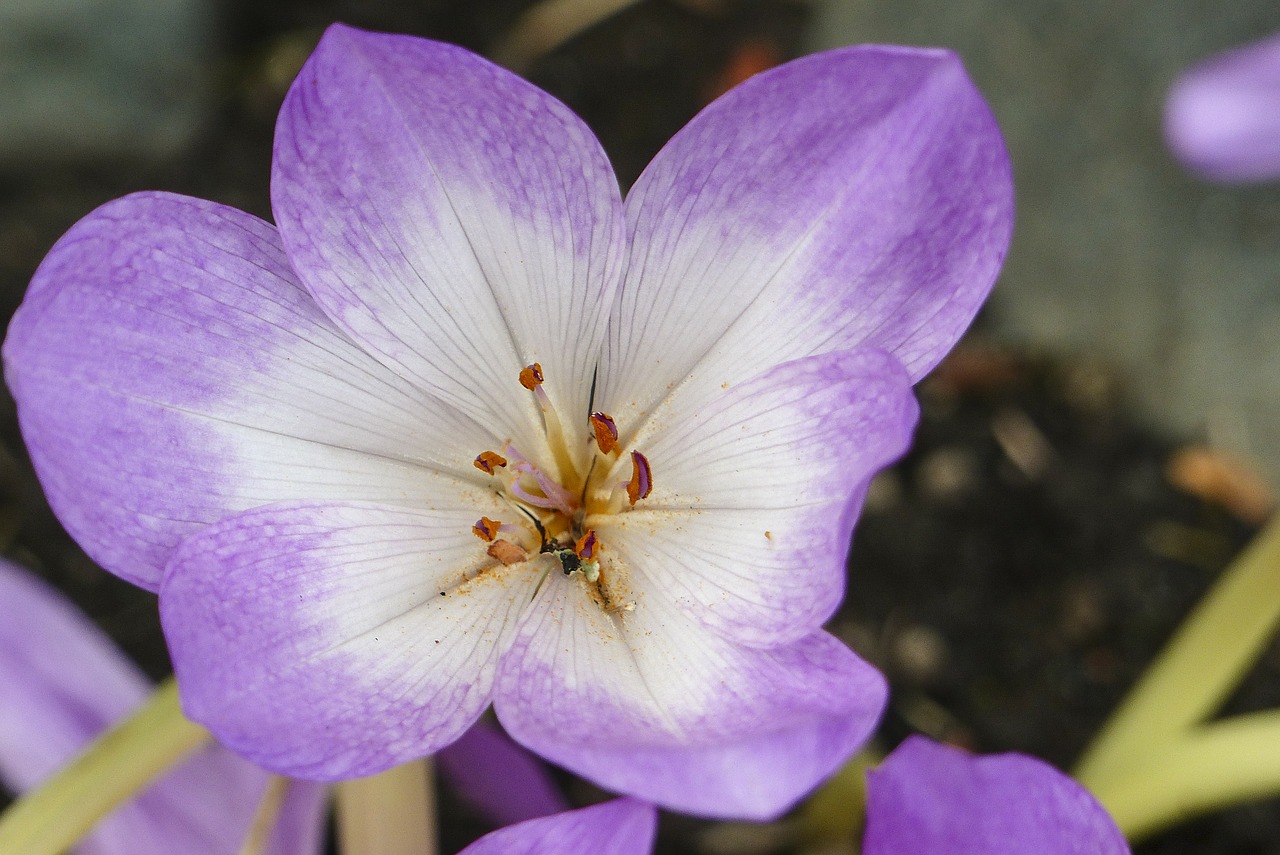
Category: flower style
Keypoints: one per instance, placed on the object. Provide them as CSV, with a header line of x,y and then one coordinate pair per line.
x,y
1222,116
929,797
466,428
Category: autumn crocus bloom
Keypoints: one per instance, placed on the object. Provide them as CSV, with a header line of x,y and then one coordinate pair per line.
x,y
1222,116
464,428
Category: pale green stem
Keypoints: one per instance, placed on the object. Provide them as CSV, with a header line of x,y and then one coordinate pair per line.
x,y
1210,767
119,764
393,813
1199,667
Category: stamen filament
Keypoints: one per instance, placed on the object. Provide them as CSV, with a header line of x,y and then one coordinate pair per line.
x,y
531,378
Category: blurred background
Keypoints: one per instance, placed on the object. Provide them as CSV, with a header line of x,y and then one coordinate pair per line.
x,y
1093,454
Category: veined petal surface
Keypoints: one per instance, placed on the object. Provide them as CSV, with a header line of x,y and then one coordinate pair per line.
x,y
641,699
334,640
756,491
454,219
62,683
860,196
929,797
619,827
170,371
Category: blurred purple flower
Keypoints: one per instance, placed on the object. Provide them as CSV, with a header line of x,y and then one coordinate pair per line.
x,y
62,682
1222,117
277,428
925,799
932,798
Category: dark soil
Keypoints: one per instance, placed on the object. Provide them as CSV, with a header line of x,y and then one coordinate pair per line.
x,y
1012,576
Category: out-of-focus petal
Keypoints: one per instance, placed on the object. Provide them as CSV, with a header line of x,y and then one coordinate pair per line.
x,y
927,798
170,371
1222,117
756,490
327,640
498,778
646,701
619,827
62,683
858,197
454,219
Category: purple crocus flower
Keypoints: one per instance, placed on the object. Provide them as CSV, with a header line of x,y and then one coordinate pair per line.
x,y
1222,117
465,428
931,798
62,682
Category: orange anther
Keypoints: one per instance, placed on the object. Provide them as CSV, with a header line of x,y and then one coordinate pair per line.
x,y
487,461
586,546
641,483
486,529
606,432
531,376
507,552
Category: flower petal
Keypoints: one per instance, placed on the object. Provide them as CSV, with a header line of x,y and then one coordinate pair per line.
x,y
497,777
647,702
329,641
756,491
1222,117
929,797
860,196
62,683
170,371
619,827
454,219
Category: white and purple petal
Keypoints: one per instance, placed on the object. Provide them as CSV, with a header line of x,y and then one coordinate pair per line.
x,y
929,797
619,827
1222,116
333,640
462,225
756,490
641,699
858,197
169,371
62,683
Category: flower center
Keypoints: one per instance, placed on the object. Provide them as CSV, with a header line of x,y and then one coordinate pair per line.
x,y
550,507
